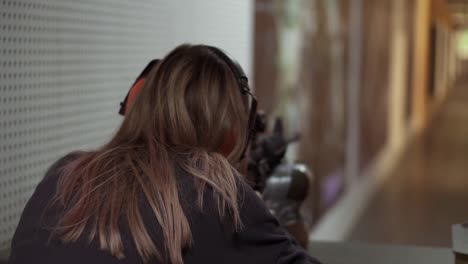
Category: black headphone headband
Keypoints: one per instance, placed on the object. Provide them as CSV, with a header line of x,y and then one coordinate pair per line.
x,y
242,80
235,68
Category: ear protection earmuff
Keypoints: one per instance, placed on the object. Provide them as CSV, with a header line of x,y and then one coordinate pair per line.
x,y
136,87
242,81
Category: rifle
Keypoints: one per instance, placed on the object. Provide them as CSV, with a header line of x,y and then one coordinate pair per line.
x,y
284,185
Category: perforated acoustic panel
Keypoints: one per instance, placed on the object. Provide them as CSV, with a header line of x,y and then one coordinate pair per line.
x,y
65,65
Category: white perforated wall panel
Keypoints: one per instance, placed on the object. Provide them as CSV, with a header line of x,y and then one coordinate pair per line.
x,y
66,64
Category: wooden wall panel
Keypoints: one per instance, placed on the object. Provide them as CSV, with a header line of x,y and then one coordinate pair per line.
x,y
266,54
375,78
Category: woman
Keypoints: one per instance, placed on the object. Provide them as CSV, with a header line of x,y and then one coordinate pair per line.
x,y
165,188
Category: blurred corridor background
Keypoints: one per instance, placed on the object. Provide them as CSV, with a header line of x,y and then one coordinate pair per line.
x,y
378,90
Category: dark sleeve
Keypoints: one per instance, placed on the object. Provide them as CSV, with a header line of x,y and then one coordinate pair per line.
x,y
263,232
34,214
54,169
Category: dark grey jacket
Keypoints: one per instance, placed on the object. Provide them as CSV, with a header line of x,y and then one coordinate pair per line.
x,y
261,240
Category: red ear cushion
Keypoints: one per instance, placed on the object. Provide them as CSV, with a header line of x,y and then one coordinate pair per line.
x,y
134,91
228,144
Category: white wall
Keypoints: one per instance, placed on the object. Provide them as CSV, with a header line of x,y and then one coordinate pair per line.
x,y
65,65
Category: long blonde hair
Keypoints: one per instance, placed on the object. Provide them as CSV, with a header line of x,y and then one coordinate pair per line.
x,y
185,109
